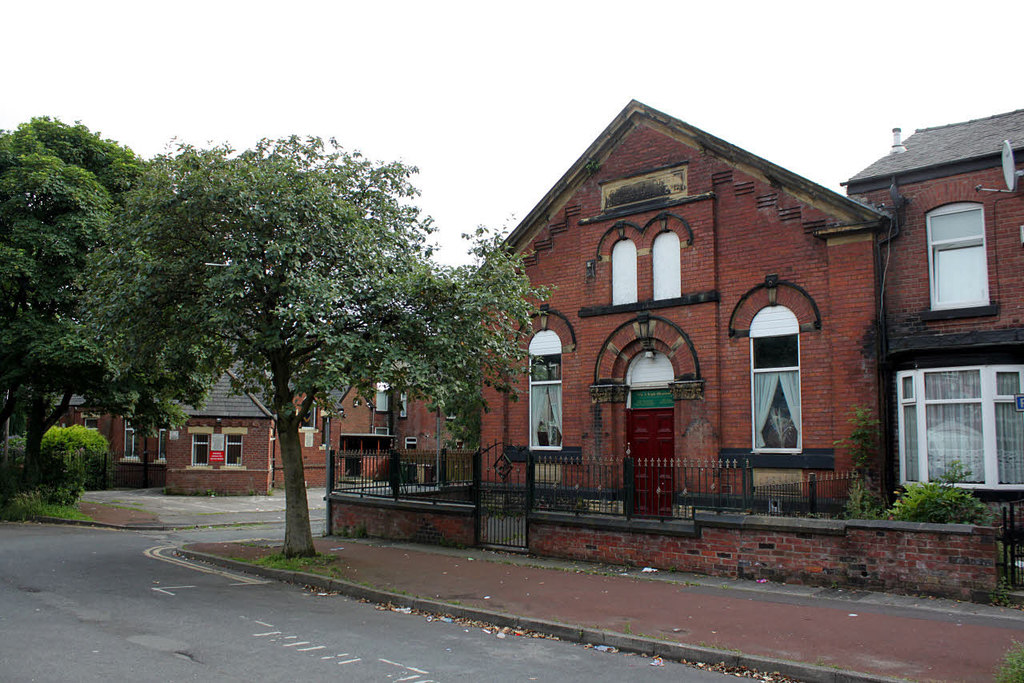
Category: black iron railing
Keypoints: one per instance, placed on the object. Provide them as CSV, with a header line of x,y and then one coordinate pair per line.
x,y
625,487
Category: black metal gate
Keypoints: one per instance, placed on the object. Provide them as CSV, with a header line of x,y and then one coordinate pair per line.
x,y
503,498
1012,538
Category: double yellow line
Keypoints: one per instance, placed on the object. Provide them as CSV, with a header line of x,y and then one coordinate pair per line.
x,y
164,553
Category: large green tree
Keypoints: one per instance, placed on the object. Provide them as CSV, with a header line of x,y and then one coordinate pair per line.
x,y
60,187
306,268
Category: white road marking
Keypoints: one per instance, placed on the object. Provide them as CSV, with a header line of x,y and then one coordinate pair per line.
x,y
263,623
161,552
268,633
301,642
410,668
167,589
315,647
349,661
407,678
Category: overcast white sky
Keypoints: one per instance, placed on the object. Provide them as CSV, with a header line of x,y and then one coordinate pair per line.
x,y
493,102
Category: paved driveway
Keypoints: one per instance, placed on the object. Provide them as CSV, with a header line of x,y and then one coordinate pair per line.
x,y
208,510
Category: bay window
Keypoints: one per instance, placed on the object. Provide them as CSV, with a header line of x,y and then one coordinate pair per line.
x,y
964,415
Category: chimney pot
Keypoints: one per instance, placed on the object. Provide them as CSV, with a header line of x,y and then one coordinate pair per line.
x,y
897,146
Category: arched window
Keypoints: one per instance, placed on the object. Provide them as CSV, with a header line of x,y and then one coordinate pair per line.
x,y
775,380
546,391
956,256
624,272
666,266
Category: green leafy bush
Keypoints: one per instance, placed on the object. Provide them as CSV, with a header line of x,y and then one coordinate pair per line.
x,y
941,502
1012,668
66,452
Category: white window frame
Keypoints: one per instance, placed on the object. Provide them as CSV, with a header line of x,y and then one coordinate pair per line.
x,y
380,400
86,419
129,442
936,247
775,321
404,410
202,440
230,441
161,445
988,399
624,288
410,443
546,343
667,270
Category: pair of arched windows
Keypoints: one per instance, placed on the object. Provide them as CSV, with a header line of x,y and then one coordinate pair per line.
x,y
665,269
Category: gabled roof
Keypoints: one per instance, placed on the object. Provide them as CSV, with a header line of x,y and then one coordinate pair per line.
x,y
847,211
223,401
954,143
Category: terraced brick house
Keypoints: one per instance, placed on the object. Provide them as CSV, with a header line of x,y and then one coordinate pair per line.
x,y
951,283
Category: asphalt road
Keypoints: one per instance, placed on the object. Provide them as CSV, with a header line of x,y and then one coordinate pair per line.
x,y
82,604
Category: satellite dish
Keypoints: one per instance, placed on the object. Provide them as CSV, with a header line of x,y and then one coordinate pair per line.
x,y
1010,172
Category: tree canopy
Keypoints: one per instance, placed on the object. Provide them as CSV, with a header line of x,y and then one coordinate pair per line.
x,y
60,186
306,269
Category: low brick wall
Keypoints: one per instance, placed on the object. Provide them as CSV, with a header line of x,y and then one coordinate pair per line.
x,y
438,524
228,481
950,560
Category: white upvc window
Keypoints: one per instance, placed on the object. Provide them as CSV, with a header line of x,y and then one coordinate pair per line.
x,y
410,443
130,445
161,445
957,265
200,449
233,452
381,399
665,260
963,414
404,409
775,381
546,391
624,272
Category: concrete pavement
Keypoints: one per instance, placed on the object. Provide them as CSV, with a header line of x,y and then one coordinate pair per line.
x,y
809,633
205,510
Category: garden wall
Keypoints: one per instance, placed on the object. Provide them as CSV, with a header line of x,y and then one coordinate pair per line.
x,y
438,524
950,560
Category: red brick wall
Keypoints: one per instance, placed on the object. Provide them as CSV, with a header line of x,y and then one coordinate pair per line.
x,y
907,284
747,230
949,560
253,476
437,524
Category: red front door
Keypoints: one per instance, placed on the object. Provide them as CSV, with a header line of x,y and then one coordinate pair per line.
x,y
652,445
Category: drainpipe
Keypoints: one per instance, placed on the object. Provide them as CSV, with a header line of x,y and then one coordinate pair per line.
x,y
328,527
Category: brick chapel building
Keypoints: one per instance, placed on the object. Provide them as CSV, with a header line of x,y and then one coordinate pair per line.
x,y
952,297
704,304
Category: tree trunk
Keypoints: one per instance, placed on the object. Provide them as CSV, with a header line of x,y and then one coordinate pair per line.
x,y
298,539
33,473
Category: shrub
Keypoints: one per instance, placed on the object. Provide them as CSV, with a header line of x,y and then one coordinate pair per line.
x,y
861,503
1012,668
941,502
66,450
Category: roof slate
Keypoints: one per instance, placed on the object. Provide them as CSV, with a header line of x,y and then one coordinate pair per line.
x,y
949,144
225,402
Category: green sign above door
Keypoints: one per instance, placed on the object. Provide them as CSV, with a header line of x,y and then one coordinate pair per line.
x,y
651,398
